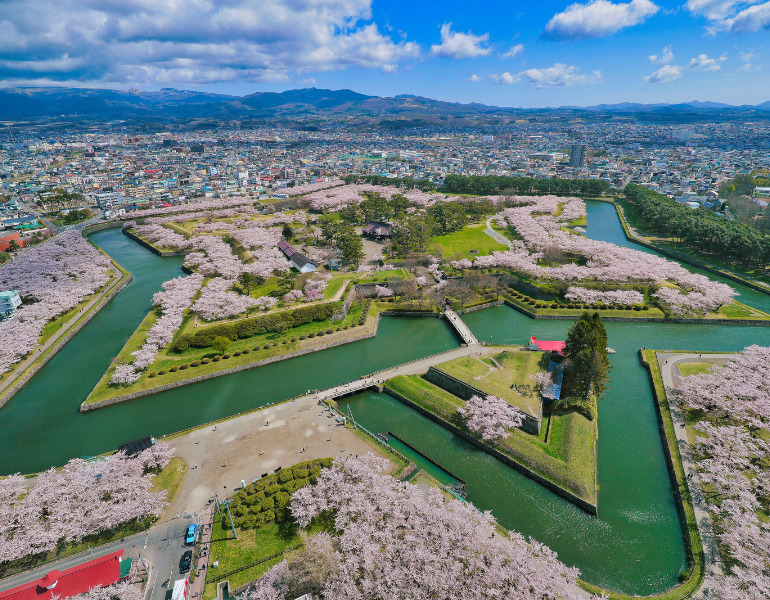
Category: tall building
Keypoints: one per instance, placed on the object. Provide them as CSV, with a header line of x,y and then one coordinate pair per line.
x,y
577,154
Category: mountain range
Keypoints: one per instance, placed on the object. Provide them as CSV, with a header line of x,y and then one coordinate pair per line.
x,y
53,103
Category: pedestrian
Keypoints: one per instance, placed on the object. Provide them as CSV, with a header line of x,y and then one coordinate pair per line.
x,y
177,515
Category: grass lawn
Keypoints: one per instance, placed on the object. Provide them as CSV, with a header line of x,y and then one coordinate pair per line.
x,y
738,310
384,276
251,546
461,243
171,477
693,368
567,459
511,382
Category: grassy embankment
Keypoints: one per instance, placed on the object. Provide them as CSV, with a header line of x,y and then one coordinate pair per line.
x,y
252,349
562,454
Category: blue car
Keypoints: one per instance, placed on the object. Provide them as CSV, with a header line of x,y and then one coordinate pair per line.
x,y
192,534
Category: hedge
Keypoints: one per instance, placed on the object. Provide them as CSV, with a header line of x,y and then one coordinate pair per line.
x,y
267,499
246,328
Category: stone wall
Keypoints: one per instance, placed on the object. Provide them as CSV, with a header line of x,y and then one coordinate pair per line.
x,y
507,460
461,389
265,361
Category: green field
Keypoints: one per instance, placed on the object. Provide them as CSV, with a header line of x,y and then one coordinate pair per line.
x,y
693,368
511,382
469,242
563,453
251,546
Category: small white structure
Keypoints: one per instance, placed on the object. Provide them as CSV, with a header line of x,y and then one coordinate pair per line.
x,y
9,302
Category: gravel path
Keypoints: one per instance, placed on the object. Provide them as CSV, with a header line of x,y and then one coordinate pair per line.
x,y
498,237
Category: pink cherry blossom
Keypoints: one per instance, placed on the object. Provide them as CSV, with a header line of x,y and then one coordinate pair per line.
x,y
490,417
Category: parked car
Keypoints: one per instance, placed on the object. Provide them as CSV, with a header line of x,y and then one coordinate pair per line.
x,y
192,534
185,562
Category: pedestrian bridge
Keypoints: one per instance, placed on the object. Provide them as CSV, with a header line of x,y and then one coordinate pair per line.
x,y
465,333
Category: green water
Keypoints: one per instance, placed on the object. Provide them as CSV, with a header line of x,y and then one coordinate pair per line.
x,y
603,224
41,426
635,544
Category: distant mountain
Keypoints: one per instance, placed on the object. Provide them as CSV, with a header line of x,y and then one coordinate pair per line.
x,y
102,105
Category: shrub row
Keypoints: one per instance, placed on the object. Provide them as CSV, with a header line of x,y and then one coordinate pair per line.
x,y
267,499
246,328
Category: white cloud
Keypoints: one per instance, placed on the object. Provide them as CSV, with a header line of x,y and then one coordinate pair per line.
x,y
664,74
474,78
703,63
733,16
559,75
145,42
598,18
389,68
747,56
455,44
664,57
513,51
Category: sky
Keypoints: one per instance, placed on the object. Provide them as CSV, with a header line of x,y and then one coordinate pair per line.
x,y
504,53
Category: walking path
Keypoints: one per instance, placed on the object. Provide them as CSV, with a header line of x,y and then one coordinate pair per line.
x,y
461,328
712,567
6,387
498,237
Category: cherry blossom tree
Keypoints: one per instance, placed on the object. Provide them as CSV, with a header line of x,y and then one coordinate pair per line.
x,y
580,294
398,541
740,389
732,457
490,417
52,279
541,223
382,291
216,302
82,498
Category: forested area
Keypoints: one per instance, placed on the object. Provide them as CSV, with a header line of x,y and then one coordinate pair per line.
x,y
701,230
495,184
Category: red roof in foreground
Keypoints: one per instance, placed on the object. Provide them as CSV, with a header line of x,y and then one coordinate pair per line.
x,y
70,582
547,346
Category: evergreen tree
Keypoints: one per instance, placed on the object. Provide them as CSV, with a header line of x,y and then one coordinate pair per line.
x,y
588,365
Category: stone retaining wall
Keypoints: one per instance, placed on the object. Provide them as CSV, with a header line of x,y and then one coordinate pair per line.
x,y
461,389
265,361
480,307
505,459
753,322
19,383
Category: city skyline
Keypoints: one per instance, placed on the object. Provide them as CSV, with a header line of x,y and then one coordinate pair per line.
x,y
553,54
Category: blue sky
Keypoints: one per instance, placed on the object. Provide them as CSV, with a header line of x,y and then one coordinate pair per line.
x,y
549,53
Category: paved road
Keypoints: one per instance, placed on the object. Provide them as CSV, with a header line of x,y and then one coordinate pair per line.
x,y
498,237
713,567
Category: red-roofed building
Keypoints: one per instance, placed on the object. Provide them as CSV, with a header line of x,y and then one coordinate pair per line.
x,y
7,238
546,346
99,572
